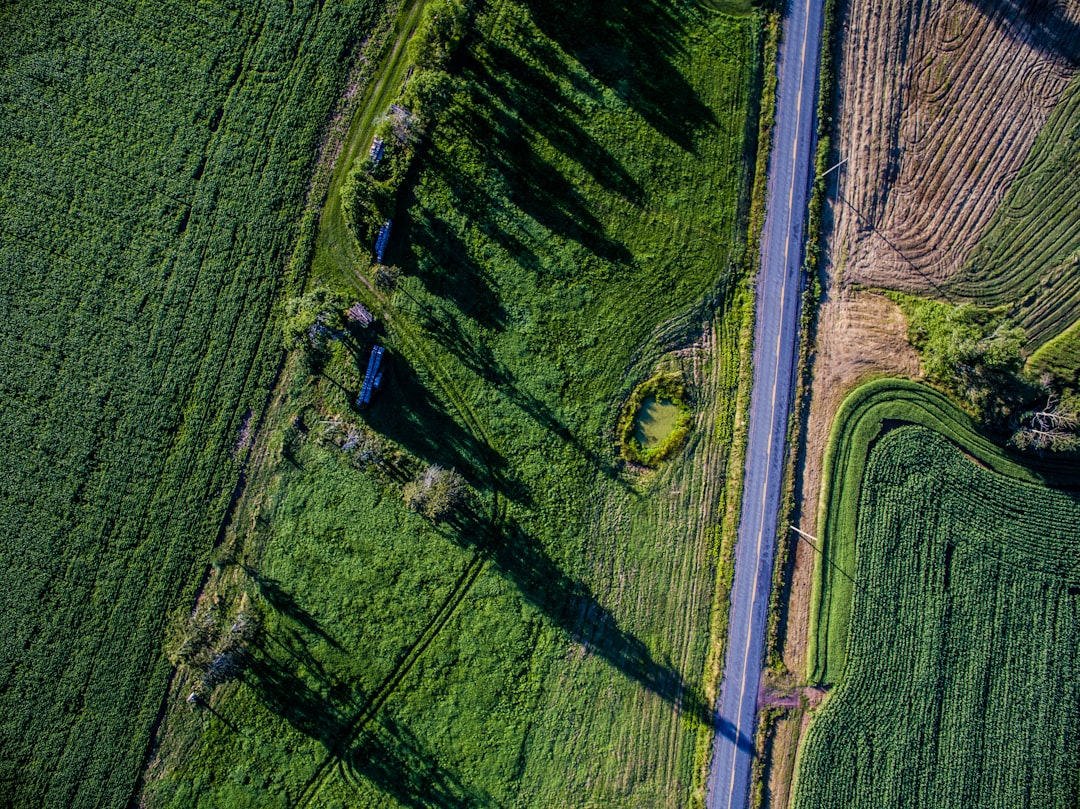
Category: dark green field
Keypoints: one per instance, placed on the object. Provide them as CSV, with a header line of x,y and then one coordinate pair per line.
x,y
573,221
945,612
962,675
154,162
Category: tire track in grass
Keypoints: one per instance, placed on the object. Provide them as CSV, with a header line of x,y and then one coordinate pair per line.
x,y
407,338
412,345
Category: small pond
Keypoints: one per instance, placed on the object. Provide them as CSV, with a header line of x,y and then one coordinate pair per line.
x,y
655,421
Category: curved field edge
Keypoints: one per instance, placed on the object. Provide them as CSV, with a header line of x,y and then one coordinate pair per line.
x,y
1038,213
859,423
961,679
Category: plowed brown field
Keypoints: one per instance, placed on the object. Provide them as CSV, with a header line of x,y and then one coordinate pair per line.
x,y
940,104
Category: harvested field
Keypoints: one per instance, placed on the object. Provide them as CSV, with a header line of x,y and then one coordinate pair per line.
x,y
941,102
1031,251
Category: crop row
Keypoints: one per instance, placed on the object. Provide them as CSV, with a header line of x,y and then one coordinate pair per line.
x,y
859,422
962,678
1031,247
158,164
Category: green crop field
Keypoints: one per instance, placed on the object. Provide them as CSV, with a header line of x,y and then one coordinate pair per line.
x,y
962,675
573,222
1031,250
154,162
857,425
945,609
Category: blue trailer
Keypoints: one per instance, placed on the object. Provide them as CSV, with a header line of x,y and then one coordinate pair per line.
x,y
381,240
373,376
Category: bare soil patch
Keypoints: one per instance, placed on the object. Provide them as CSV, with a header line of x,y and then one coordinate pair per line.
x,y
860,335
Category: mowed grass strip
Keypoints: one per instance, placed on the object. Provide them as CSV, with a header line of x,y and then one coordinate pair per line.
x,y
962,675
859,422
154,163
576,214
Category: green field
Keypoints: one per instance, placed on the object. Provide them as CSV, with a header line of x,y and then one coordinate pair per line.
x,y
154,163
574,221
858,423
1030,252
962,676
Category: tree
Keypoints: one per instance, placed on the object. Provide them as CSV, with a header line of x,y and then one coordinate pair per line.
x,y
311,320
975,353
436,493
386,277
1052,428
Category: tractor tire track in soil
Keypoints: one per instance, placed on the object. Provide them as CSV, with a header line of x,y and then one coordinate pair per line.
x,y
940,105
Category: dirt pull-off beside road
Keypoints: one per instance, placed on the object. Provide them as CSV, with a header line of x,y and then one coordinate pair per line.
x,y
940,103
860,335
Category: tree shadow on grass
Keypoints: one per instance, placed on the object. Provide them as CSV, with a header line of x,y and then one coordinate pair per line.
x,y
571,606
389,756
406,412
450,273
384,753
629,47
284,603
444,324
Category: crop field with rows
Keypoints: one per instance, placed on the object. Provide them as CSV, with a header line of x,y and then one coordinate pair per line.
x,y
154,163
575,218
942,103
958,674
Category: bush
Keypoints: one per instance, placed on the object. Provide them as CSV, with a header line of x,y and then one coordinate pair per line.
x,y
974,353
437,493
213,649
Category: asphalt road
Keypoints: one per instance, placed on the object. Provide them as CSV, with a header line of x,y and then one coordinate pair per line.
x,y
775,340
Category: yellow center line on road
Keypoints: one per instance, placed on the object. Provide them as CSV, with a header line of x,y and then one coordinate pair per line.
x,y
772,411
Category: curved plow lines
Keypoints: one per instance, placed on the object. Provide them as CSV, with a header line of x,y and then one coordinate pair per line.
x,y
936,130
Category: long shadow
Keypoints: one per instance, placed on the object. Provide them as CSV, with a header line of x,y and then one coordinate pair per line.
x,y
386,754
391,757
571,606
284,603
406,412
449,272
1041,24
475,355
628,46
741,740
504,116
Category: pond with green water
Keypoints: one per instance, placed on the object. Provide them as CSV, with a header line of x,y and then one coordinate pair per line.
x,y
655,421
